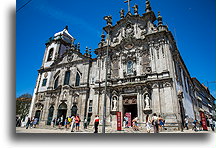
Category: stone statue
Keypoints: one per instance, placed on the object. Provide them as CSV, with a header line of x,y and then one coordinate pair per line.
x,y
135,9
114,104
147,101
122,13
108,19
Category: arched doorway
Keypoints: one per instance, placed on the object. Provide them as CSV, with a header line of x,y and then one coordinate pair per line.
x,y
37,115
50,115
62,110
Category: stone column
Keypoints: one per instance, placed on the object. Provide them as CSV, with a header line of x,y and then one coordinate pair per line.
x,y
156,99
138,106
45,112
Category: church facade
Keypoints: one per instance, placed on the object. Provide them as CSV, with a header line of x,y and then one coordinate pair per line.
x,y
145,74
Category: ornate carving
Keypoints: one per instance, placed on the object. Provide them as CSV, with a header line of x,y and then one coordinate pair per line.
x,y
115,68
129,31
167,84
155,85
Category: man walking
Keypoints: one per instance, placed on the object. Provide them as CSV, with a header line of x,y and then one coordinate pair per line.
x,y
96,123
72,123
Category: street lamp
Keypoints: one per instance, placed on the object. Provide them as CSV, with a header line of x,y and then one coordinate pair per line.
x,y
109,23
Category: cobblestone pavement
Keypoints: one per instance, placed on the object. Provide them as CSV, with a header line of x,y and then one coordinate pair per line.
x,y
91,130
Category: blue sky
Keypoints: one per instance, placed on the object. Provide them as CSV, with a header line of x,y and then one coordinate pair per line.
x,y
192,23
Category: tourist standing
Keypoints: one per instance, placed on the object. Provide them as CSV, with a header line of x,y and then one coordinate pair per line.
x,y
54,122
85,123
161,122
155,123
77,122
60,120
214,123
135,124
125,122
35,122
28,123
72,123
148,124
186,122
69,122
96,123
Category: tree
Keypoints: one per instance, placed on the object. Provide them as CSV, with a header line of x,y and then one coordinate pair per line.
x,y
23,103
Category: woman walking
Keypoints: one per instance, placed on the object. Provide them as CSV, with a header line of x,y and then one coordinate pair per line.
x,y
155,123
148,124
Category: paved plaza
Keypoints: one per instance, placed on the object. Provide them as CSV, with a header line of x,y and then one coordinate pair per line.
x,y
91,130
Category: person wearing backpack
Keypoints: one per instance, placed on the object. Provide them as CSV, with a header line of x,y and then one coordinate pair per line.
x,y
155,123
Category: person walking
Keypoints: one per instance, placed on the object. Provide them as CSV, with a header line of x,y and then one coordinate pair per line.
x,y
195,125
148,124
96,123
72,123
54,122
155,123
211,123
85,123
186,122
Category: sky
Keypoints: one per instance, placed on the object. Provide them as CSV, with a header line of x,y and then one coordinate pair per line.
x,y
191,22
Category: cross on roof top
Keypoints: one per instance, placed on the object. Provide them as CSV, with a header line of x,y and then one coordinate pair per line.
x,y
128,1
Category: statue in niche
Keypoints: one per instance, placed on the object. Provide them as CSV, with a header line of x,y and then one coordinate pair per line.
x,y
147,102
74,110
114,104
129,30
64,96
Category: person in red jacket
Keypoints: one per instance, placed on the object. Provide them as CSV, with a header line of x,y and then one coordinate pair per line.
x,y
77,122
96,123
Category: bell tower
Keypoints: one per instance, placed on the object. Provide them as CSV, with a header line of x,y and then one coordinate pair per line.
x,y
56,46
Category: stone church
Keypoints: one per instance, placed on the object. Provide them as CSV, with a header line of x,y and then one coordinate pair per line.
x,y
145,74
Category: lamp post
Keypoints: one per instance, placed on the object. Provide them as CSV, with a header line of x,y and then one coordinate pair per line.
x,y
109,23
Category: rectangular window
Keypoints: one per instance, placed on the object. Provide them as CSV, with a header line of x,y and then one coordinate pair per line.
x,y
44,82
90,105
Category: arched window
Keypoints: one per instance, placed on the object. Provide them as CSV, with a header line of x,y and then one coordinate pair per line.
x,y
77,79
129,67
50,55
56,83
67,78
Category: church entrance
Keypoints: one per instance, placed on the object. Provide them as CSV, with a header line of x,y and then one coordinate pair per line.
x,y
130,106
62,110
